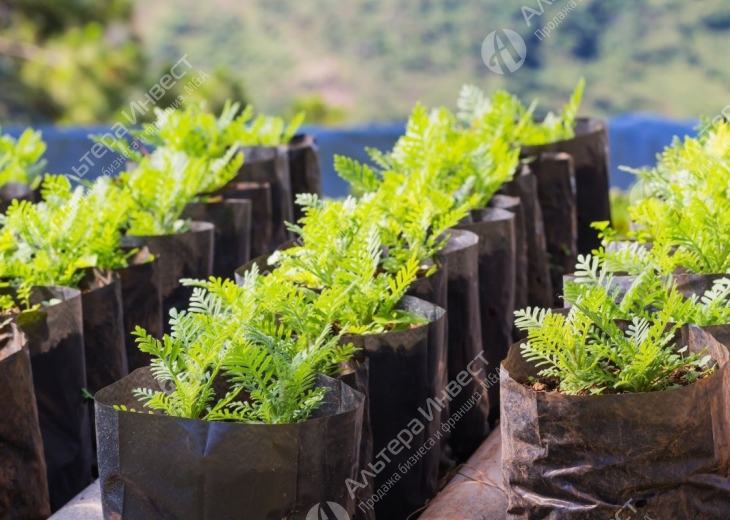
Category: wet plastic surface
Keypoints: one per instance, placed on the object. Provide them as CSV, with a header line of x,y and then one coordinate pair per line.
x,y
586,457
191,469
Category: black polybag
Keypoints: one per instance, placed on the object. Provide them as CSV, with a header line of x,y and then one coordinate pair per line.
x,y
496,231
11,191
434,289
556,191
464,343
514,206
181,255
101,304
56,345
696,285
305,173
270,165
156,466
589,151
539,287
23,484
666,453
141,304
259,194
232,221
401,383
355,373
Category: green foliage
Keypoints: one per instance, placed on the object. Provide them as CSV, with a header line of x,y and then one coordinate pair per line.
x,y
505,115
51,242
200,134
243,336
339,253
21,159
587,352
165,182
684,214
648,292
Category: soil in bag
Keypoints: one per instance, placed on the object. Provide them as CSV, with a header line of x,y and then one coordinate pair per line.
x,y
182,255
589,151
496,231
259,194
270,165
141,303
514,206
56,345
156,466
649,455
356,374
23,484
401,384
556,191
305,172
539,286
232,221
464,345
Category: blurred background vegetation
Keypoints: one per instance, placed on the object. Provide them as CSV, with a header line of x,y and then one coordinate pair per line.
x,y
81,61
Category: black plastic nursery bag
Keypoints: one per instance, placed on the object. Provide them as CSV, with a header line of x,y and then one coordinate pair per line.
x,y
106,353
142,303
155,466
356,374
56,345
401,383
182,255
539,286
434,289
259,194
514,206
556,190
589,151
270,165
464,343
23,484
496,231
653,455
305,172
232,221
11,191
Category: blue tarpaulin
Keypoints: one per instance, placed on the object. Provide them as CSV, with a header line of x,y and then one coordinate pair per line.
x,y
634,140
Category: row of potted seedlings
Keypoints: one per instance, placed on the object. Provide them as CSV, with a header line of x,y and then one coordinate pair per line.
x,y
616,405
395,293
375,274
85,266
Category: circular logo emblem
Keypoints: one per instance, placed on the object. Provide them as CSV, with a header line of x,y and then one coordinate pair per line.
x,y
502,51
328,511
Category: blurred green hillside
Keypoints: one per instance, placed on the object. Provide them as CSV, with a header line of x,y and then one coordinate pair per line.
x,y
375,58
79,61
